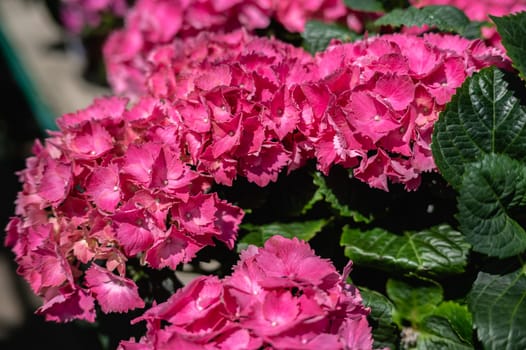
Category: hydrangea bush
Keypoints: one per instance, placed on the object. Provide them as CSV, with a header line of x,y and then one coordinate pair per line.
x,y
401,150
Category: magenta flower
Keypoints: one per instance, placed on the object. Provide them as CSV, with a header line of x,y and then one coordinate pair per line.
x,y
281,296
111,185
385,95
150,24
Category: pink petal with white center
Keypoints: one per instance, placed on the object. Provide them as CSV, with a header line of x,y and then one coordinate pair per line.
x,y
370,117
104,188
52,267
171,250
188,304
422,59
265,166
224,170
398,90
91,141
373,170
228,218
197,215
113,293
132,231
196,116
101,108
283,117
293,259
226,136
138,162
443,83
68,305
56,182
217,76
171,175
278,312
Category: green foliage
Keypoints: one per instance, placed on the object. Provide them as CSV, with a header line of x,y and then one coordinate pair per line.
x,y
493,190
317,35
512,30
259,234
385,332
365,5
483,117
413,302
459,319
498,304
445,18
479,145
324,192
438,250
437,324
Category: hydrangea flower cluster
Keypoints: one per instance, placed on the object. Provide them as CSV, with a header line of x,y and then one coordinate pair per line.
x,y
234,94
77,15
281,296
112,184
376,102
155,22
368,105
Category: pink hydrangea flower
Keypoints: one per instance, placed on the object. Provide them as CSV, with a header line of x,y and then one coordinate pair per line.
x,y
381,97
112,185
152,23
253,106
280,296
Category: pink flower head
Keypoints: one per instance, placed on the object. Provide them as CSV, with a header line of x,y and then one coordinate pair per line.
x,y
381,115
109,187
152,23
290,306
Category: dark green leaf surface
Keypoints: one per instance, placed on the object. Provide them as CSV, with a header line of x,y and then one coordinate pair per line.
x,y
365,5
512,30
450,326
498,304
492,191
437,333
413,302
446,18
317,35
385,332
483,117
434,251
259,234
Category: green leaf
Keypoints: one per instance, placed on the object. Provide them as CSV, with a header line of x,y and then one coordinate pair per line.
x,y
324,192
498,304
413,302
492,191
365,5
437,333
450,326
434,251
317,35
483,117
512,30
259,234
385,332
445,18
